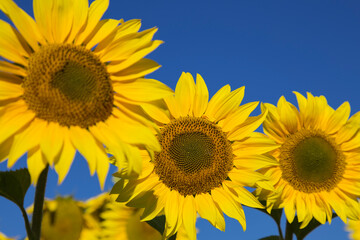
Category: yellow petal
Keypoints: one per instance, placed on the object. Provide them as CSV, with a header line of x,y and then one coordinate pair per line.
x,y
256,143
185,93
124,29
217,100
12,69
142,90
13,118
172,106
229,206
52,141
23,22
239,116
5,148
11,46
229,104
79,18
102,164
140,69
156,113
172,212
255,162
301,101
10,90
244,196
67,154
250,125
201,97
101,31
35,164
26,140
206,208
338,118
134,134
287,115
96,11
154,208
85,144
137,56
189,217
122,49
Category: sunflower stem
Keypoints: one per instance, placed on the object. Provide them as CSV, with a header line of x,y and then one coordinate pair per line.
x,y
288,231
38,203
27,224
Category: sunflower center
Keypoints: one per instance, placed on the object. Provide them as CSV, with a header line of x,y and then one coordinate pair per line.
x,y
195,157
311,161
69,85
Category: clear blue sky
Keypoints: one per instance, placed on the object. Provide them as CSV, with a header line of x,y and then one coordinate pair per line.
x,y
271,47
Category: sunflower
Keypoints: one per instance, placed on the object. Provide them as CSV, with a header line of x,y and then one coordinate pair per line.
x,y
67,218
318,156
354,228
209,153
70,81
4,237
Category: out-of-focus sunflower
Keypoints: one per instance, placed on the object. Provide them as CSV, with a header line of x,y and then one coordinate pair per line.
x,y
67,218
318,169
4,237
70,81
354,228
209,153
123,223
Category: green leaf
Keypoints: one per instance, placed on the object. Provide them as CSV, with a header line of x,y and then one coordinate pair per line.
x,y
159,224
301,233
14,185
271,238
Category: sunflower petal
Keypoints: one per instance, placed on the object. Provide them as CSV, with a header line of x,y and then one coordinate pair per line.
x,y
35,164
66,158
201,97
189,217
142,90
10,90
96,11
23,22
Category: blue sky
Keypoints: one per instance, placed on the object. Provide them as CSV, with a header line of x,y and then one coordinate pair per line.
x,y
270,47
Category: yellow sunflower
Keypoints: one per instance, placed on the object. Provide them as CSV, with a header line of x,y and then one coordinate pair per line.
x,y
354,228
209,153
4,237
318,169
123,223
67,218
70,81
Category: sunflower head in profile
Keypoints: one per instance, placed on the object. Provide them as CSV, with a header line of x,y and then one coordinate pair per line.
x,y
318,169
209,153
70,81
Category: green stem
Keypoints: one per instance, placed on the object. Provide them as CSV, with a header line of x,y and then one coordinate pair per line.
x,y
288,231
280,232
27,224
38,203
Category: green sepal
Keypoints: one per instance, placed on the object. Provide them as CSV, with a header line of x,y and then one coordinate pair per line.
x,y
275,213
301,233
14,185
159,224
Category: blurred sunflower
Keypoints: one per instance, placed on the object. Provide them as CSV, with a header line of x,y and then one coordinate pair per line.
x,y
209,153
4,237
70,81
318,157
354,228
123,223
